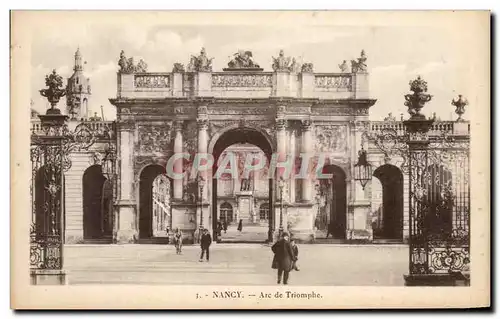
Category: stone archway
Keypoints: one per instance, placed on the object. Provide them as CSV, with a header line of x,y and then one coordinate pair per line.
x,y
235,136
390,214
94,214
151,225
334,192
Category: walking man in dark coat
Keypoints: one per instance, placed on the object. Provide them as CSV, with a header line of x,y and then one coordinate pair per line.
x,y
205,242
283,258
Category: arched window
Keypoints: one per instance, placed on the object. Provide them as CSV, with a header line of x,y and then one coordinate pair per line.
x,y
226,212
264,211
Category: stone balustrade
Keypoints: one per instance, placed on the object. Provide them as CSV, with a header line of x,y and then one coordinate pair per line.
x,y
439,127
243,83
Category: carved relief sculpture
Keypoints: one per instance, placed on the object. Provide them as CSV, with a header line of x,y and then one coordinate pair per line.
x,y
151,81
241,80
190,137
155,139
333,81
331,138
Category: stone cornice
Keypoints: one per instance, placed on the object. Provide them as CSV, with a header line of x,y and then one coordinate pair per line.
x,y
121,102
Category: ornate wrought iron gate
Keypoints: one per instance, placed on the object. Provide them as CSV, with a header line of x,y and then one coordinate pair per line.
x,y
47,191
436,161
439,204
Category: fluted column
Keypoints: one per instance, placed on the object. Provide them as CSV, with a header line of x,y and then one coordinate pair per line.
x,y
281,140
126,228
178,167
281,157
307,145
292,176
203,150
126,172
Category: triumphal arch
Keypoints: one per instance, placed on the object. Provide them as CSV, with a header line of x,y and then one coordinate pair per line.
x,y
290,111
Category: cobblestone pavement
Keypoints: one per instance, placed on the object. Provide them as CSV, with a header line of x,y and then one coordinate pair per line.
x,y
235,264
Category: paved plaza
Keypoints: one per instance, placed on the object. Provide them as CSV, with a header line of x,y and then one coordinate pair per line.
x,y
235,264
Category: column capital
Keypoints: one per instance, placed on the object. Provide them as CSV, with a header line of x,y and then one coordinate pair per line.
x,y
202,110
178,125
281,124
306,125
125,125
202,123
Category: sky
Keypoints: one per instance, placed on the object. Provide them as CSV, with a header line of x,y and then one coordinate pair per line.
x,y
396,55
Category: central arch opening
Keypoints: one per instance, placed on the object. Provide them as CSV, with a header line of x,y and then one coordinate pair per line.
x,y
238,201
155,212
332,220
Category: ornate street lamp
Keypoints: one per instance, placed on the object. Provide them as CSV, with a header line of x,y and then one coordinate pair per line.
x,y
108,162
201,185
362,169
281,186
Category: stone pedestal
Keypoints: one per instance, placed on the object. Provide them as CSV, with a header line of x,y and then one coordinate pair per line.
x,y
177,84
453,279
461,128
360,228
127,230
306,85
203,84
245,204
282,85
183,216
47,277
300,221
361,86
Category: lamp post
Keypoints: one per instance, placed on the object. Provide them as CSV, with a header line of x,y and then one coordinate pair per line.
x,y
108,162
281,185
201,185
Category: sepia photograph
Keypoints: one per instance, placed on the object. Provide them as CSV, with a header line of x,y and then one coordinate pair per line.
x,y
250,159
